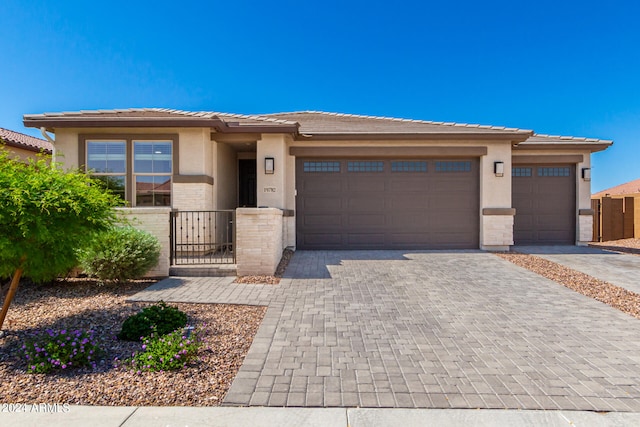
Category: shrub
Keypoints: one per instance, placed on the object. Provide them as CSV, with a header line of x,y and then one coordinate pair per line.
x,y
120,254
63,349
159,319
167,353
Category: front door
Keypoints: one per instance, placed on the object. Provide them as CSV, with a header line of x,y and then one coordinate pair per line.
x,y
247,183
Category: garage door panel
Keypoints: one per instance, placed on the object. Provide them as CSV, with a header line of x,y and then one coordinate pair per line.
x,y
412,184
366,184
365,239
331,220
414,202
322,239
545,205
364,204
404,204
328,184
366,220
322,204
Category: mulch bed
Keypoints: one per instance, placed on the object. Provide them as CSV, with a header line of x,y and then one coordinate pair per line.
x,y
614,296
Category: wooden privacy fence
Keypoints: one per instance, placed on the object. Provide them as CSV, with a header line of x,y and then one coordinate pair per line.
x,y
614,219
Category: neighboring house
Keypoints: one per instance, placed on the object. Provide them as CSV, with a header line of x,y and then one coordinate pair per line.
x,y
617,212
628,189
341,181
23,146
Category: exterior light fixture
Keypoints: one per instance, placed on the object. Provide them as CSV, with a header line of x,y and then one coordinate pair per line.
x,y
498,168
586,174
269,165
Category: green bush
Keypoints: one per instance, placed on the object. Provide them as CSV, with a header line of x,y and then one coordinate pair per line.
x,y
120,254
158,319
166,353
63,349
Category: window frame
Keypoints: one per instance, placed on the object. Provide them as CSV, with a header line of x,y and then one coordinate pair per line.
x,y
130,174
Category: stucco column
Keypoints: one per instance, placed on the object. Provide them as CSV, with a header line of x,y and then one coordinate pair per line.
x,y
496,214
271,187
584,223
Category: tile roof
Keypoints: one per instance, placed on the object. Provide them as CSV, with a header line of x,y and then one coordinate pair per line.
x,y
318,122
631,187
556,139
27,142
309,123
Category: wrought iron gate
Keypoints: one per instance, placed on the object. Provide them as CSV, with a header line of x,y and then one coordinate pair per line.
x,y
203,237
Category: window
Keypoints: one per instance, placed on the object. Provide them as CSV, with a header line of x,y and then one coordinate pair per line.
x,y
554,171
365,166
152,172
107,161
409,166
521,172
139,169
453,166
321,167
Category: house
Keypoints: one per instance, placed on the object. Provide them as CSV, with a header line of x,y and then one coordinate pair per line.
x,y
617,212
317,180
23,146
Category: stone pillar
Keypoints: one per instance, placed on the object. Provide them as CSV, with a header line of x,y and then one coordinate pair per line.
x,y
497,229
259,240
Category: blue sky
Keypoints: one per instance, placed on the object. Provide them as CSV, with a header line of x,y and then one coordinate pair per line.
x,y
557,67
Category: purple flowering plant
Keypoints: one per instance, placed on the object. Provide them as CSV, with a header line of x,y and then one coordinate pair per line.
x,y
168,352
60,350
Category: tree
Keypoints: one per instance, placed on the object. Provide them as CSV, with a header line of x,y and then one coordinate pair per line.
x,y
46,213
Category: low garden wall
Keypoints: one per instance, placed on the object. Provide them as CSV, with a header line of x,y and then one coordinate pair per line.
x,y
259,241
156,222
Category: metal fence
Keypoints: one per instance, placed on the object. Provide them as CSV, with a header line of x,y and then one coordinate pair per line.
x,y
203,237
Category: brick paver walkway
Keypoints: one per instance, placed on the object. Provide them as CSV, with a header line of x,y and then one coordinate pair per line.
x,y
433,330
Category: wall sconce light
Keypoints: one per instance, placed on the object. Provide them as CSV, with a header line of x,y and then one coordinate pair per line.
x,y
269,165
586,174
498,168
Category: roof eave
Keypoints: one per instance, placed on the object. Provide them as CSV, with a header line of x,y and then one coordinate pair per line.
x,y
514,137
51,123
24,146
592,147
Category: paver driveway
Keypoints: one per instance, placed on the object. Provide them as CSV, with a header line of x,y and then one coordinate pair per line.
x,y
428,330
436,330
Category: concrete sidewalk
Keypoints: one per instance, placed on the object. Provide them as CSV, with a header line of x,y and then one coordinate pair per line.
x,y
100,416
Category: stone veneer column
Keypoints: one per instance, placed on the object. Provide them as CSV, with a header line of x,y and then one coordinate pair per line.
x,y
259,241
497,229
585,227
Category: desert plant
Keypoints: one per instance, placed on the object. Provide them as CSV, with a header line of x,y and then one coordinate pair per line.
x,y
159,319
166,352
45,214
54,350
120,254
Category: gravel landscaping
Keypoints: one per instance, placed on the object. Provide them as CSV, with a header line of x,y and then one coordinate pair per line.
x,y
269,280
82,304
615,296
623,245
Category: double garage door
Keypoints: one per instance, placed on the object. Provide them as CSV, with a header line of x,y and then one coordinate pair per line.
x,y
544,197
387,203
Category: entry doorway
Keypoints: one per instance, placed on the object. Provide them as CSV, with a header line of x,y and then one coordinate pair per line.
x,y
247,183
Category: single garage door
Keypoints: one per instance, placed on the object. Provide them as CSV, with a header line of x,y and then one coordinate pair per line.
x,y
386,204
544,197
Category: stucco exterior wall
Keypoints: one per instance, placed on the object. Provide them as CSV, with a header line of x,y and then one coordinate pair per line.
x,y
156,222
226,177
259,240
19,153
